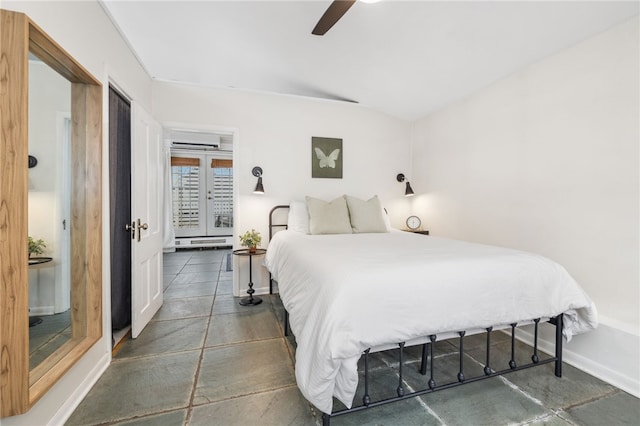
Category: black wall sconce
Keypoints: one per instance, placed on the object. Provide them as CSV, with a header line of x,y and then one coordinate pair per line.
x,y
408,192
257,172
33,161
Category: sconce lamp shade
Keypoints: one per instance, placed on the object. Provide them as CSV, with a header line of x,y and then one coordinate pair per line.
x,y
408,191
257,171
259,188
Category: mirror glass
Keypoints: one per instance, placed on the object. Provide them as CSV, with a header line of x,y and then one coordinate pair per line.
x,y
48,211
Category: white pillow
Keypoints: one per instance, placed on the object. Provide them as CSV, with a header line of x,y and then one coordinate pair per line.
x,y
298,220
328,217
385,217
366,216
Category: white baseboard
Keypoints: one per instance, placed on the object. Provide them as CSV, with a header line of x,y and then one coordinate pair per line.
x,y
41,310
259,291
76,397
609,353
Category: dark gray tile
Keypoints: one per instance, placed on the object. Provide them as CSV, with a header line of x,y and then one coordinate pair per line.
x,y
166,336
487,402
227,304
196,277
479,340
190,290
384,375
175,259
500,354
187,307
574,387
51,326
551,420
46,349
178,254
413,354
247,377
446,367
409,412
225,287
171,418
172,268
242,327
383,384
226,275
242,369
212,268
46,337
279,407
138,387
167,279
206,257
619,408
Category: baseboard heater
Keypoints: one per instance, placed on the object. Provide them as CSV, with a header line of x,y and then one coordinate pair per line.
x,y
196,242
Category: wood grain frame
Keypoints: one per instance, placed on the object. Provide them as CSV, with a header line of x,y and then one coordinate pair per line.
x,y
19,387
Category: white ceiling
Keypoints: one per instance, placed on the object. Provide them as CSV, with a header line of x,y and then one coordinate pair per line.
x,y
405,58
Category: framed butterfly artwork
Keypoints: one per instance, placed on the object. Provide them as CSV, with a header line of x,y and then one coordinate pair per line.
x,y
326,158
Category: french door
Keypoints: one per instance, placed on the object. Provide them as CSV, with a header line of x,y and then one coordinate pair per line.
x,y
202,186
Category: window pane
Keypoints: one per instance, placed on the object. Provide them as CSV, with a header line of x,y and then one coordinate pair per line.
x,y
186,212
223,196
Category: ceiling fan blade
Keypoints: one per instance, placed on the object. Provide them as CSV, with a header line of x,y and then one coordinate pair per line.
x,y
332,15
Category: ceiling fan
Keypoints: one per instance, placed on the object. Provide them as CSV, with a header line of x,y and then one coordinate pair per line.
x,y
334,12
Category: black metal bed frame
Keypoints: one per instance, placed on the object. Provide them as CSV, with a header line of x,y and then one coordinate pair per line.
x,y
428,359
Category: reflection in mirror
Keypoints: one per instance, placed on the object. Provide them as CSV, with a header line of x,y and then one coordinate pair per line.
x,y
49,211
66,182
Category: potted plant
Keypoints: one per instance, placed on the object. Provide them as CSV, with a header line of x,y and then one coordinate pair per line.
x,y
250,239
36,246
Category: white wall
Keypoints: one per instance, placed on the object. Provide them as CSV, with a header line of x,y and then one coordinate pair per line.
x,y
546,160
84,30
275,133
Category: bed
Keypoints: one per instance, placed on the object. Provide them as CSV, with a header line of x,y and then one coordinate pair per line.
x,y
349,294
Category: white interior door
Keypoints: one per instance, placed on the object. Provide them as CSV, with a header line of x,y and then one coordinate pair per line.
x,y
146,206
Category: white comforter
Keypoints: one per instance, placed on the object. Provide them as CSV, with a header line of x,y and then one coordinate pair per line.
x,y
347,293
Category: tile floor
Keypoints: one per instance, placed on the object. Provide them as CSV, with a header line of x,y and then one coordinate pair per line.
x,y
205,360
47,336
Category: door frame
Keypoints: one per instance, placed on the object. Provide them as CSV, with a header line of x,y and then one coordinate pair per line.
x,y
121,94
234,132
205,229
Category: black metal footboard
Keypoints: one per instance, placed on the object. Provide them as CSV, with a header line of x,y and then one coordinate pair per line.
x,y
428,359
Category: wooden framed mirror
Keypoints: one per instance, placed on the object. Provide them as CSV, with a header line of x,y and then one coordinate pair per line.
x,y
21,386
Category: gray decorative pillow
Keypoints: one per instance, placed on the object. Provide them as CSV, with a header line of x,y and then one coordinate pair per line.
x,y
366,216
328,217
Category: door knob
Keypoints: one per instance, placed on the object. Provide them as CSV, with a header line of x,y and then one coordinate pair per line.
x,y
141,226
131,228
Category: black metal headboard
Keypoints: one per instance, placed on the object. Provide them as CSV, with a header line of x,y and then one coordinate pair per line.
x,y
276,225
